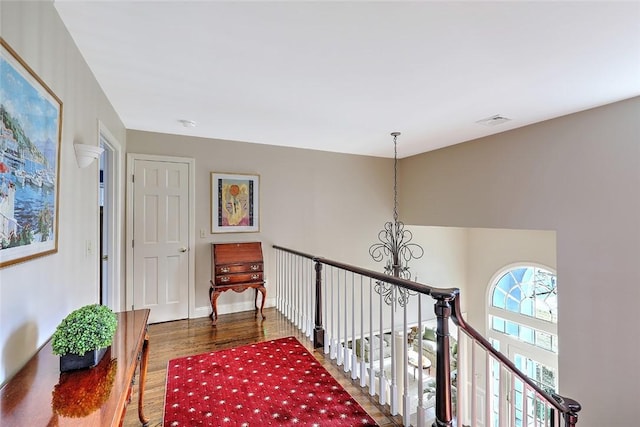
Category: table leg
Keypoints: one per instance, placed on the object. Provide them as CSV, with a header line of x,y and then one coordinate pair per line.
x,y
143,379
263,291
214,306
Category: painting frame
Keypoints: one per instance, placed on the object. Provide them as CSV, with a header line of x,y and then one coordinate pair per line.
x,y
235,203
30,141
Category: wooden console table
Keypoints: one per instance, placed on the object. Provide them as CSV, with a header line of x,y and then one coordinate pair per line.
x,y
237,267
39,395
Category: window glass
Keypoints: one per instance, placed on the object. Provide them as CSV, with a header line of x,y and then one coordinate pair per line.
x,y
513,329
506,283
499,298
543,340
498,324
528,290
523,307
526,307
513,304
518,274
526,335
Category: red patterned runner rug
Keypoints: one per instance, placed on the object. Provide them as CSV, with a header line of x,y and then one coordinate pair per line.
x,y
272,383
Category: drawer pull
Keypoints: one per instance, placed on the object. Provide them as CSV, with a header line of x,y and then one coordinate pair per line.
x,y
255,266
224,279
255,276
224,269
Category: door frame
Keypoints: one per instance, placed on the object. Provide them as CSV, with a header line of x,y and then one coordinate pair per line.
x,y
190,162
113,213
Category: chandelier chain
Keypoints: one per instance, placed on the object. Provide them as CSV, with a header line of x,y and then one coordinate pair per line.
x,y
395,177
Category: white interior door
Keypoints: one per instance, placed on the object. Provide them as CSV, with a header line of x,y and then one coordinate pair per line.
x,y
161,239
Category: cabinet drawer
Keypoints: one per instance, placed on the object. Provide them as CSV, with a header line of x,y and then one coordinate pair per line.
x,y
237,253
238,268
230,279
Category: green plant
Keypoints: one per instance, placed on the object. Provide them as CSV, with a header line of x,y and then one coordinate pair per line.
x,y
88,328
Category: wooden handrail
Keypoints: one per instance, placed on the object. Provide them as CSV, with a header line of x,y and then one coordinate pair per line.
x,y
404,283
447,301
562,404
294,252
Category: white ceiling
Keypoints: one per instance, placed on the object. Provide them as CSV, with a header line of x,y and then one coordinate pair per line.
x,y
340,76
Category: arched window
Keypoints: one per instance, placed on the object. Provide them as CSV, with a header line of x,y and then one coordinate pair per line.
x,y
522,323
524,306
530,291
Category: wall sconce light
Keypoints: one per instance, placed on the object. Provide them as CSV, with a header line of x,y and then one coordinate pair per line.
x,y
86,154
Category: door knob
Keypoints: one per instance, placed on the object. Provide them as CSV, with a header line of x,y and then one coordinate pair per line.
x,y
183,249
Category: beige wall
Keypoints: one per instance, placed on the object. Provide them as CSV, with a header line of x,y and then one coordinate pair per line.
x,y
36,295
469,258
579,176
320,203
490,251
444,263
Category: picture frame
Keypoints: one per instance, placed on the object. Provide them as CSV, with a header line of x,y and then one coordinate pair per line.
x,y
30,138
235,203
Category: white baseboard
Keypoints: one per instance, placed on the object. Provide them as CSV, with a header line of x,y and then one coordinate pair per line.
x,y
201,312
205,311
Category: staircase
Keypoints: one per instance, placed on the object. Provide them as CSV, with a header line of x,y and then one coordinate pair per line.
x,y
377,328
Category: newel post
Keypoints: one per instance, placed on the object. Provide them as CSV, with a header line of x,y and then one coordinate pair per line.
x,y
573,407
444,417
318,331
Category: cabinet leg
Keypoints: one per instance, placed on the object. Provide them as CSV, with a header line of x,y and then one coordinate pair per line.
x,y
263,291
214,306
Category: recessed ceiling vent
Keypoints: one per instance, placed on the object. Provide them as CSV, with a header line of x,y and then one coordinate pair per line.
x,y
187,123
496,120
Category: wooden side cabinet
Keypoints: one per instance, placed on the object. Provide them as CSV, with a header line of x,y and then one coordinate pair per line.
x,y
236,267
40,395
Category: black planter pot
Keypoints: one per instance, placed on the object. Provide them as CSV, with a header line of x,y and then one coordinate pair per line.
x,y
72,362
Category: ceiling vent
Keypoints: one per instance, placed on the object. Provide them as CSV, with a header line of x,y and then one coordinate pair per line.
x,y
498,119
187,123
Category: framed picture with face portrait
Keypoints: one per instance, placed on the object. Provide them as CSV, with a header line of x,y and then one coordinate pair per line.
x,y
235,203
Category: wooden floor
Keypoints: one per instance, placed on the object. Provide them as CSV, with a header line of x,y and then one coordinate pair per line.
x,y
185,337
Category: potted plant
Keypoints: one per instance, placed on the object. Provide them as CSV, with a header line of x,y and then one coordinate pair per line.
x,y
82,338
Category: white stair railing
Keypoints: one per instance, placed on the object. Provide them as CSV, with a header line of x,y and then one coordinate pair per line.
x,y
357,319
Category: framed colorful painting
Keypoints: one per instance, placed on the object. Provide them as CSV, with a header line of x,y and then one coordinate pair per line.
x,y
30,131
235,203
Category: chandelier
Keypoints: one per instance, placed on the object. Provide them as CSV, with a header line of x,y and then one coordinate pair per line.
x,y
394,245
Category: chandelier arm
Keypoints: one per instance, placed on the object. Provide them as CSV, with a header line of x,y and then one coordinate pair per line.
x,y
378,251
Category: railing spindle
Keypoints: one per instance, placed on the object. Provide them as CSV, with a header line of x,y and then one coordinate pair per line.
x,y
394,358
354,361
406,398
422,409
372,377
333,302
310,299
362,373
382,396
345,346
